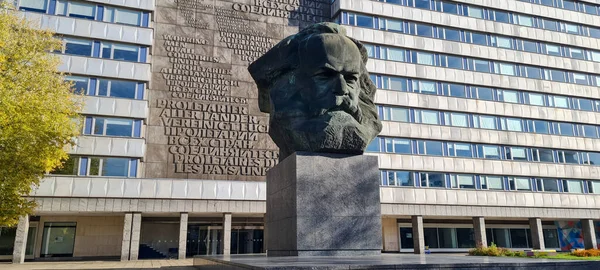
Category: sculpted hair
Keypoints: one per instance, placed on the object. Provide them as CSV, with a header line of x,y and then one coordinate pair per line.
x,y
284,58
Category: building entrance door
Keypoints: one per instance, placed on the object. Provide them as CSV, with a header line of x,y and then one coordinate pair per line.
x,y
204,240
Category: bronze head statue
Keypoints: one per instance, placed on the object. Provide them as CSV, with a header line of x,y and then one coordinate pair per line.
x,y
318,92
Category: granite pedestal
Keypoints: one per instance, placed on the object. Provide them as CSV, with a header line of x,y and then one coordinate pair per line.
x,y
323,205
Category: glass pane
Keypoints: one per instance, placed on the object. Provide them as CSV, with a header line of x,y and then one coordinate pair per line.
x,y
128,16
513,124
475,12
34,5
78,47
543,155
551,238
115,167
536,99
466,181
81,10
525,20
434,148
456,90
398,84
430,117
103,87
463,150
80,84
494,182
490,152
98,126
485,93
447,237
424,58
437,180
405,179
459,120
119,127
575,186
127,53
401,146
424,30
481,65
431,237
466,238
399,114
122,89
550,185
7,240
518,238
394,25
395,54
541,127
58,239
487,122
94,166
69,167
523,183
510,96
364,21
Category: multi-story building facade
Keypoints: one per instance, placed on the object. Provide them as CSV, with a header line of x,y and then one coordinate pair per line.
x,y
489,111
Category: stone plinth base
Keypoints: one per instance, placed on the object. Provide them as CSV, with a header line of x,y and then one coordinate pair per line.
x,y
323,205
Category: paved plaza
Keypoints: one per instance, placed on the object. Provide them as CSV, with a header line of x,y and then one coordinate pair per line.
x,y
141,264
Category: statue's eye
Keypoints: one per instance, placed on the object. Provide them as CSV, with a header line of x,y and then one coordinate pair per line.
x,y
351,78
328,73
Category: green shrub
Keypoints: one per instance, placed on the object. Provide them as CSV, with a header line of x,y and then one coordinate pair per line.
x,y
492,250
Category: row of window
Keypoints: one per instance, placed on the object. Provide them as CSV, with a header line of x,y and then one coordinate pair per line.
x,y
455,119
99,166
107,87
481,151
103,49
443,237
480,65
86,10
578,6
500,16
109,126
467,36
487,182
484,93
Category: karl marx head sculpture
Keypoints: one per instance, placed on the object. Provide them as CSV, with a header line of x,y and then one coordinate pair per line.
x,y
318,92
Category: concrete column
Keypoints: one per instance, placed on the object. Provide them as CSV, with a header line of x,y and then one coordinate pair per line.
x,y
21,240
126,243
589,234
183,225
390,235
418,234
479,230
136,225
537,235
227,234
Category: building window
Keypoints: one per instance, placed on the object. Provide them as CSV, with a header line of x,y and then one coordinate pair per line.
x,y
76,9
594,186
123,16
117,88
519,183
492,182
488,151
425,87
58,239
437,180
398,84
460,150
591,158
570,157
508,96
428,117
80,84
34,5
425,58
398,146
118,167
547,185
112,127
398,178
430,148
543,155
77,47
516,153
573,186
512,124
120,52
69,167
456,119
462,181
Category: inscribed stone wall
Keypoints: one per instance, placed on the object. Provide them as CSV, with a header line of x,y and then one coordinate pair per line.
x,y
204,119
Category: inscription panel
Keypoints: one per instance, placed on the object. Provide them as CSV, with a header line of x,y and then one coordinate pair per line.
x,y
204,119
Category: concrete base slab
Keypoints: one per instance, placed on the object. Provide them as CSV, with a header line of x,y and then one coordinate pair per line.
x,y
388,261
321,204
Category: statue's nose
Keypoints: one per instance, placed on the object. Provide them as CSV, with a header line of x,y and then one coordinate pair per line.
x,y
340,86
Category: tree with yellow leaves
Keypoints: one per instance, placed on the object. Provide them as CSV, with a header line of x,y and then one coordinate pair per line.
x,y
38,112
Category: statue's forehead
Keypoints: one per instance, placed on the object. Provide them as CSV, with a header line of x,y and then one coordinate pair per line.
x,y
330,49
